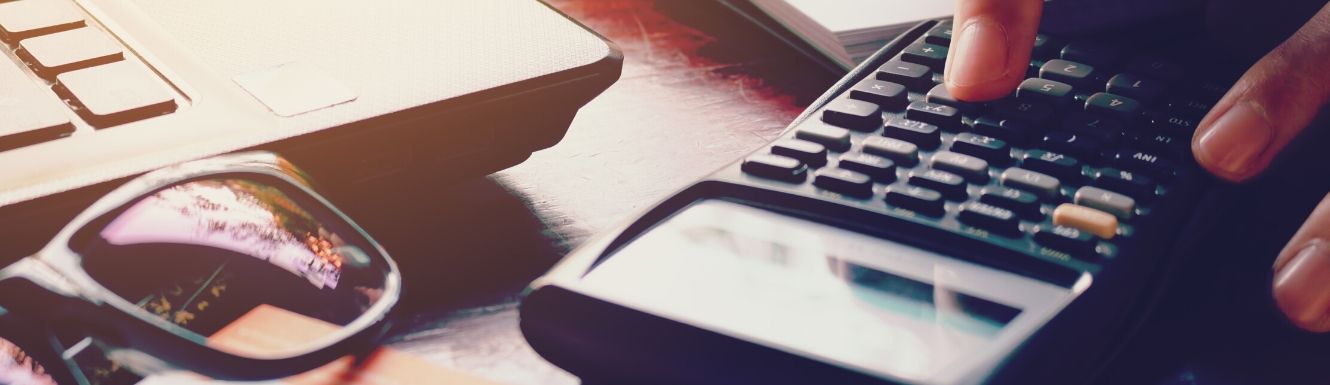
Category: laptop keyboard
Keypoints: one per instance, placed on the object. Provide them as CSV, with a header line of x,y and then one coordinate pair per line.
x,y
60,62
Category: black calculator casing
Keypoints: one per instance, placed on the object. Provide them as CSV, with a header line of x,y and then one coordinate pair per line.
x,y
603,341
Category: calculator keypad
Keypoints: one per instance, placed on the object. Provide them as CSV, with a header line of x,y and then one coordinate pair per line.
x,y
1075,156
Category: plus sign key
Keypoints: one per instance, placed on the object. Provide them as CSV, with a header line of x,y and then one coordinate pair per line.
x,y
927,54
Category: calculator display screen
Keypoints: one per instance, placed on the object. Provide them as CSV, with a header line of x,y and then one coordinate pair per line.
x,y
853,300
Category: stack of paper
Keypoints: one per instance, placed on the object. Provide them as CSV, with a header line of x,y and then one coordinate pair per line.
x,y
848,31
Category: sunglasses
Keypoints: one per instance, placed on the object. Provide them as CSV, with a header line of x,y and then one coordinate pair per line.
x,y
160,265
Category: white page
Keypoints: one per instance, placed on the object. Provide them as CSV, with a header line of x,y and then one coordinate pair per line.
x,y
841,16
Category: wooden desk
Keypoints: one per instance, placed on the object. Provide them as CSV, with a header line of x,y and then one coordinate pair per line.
x,y
700,88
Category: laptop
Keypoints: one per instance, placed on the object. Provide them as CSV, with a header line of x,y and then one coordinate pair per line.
x,y
364,95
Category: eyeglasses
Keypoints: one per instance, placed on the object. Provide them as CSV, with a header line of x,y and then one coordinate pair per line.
x,y
159,266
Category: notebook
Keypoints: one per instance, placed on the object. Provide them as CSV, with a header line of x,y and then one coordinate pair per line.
x,y
845,31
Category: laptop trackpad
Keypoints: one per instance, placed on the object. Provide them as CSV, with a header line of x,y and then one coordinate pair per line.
x,y
294,88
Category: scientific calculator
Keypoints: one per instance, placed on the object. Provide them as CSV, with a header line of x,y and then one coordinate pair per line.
x,y
896,235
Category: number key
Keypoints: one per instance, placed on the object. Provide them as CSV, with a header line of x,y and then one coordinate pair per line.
x,y
1073,73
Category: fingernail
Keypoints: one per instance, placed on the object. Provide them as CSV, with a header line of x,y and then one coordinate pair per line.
x,y
981,54
1236,138
1301,286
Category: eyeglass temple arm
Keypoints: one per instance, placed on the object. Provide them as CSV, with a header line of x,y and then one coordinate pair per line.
x,y
32,287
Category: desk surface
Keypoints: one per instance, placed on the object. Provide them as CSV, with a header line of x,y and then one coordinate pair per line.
x,y
699,88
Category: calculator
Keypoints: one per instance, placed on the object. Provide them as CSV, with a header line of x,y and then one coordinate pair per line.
x,y
896,235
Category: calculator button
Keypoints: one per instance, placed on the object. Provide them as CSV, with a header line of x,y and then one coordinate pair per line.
x,y
1066,239
940,95
1026,110
1079,146
973,169
1175,124
916,199
944,116
902,152
924,135
1145,163
836,139
1044,46
989,217
811,153
775,167
983,147
1107,201
1095,222
1012,131
69,50
1126,182
1022,203
1135,87
853,114
845,182
882,170
1048,91
115,93
1103,129
939,35
887,95
1073,73
1123,107
951,186
1090,53
931,55
1052,163
1158,68
1043,185
915,76
28,18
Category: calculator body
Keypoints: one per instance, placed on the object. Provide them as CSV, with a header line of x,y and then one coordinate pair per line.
x,y
769,275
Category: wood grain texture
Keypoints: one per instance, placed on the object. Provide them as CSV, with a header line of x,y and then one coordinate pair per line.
x,y
700,88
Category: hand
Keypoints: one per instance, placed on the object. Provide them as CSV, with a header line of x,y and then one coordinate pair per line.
x,y
1264,111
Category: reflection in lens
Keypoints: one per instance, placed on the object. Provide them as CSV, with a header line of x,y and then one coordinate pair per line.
x,y
205,253
19,368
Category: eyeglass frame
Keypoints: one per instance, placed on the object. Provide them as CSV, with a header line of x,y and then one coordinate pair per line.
x,y
56,275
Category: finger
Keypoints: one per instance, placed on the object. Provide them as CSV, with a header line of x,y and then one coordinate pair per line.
x,y
1302,273
1268,106
991,47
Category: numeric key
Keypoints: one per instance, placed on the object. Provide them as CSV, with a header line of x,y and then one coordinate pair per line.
x,y
1049,91
1122,107
1073,73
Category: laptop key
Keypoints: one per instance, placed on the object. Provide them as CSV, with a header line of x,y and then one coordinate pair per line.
x,y
116,93
69,50
23,19
29,113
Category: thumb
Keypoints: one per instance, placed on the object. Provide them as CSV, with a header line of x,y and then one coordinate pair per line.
x,y
1268,106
